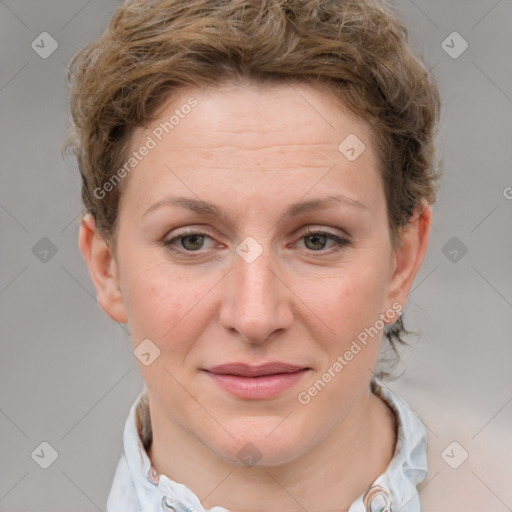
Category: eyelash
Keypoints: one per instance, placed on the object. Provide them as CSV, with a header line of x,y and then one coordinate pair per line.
x,y
340,242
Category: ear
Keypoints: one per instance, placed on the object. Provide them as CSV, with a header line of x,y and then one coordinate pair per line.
x,y
102,268
409,255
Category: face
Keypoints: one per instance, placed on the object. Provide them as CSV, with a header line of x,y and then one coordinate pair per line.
x,y
246,237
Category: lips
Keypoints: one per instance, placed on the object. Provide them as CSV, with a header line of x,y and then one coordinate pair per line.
x,y
256,382
245,370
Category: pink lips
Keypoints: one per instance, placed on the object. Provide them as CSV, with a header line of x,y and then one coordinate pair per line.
x,y
256,382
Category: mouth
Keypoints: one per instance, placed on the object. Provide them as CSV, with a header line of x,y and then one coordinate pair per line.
x,y
256,382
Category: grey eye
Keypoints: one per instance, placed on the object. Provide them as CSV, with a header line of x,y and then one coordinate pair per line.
x,y
196,242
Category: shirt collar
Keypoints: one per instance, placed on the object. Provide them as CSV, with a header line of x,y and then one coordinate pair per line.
x,y
137,487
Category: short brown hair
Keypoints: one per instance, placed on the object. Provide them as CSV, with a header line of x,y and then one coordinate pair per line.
x,y
357,49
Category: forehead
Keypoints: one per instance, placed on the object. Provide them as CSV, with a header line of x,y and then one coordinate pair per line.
x,y
250,138
297,112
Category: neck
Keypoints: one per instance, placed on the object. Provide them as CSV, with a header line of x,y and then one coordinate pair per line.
x,y
329,477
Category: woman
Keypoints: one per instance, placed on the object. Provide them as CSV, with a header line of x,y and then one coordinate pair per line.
x,y
257,179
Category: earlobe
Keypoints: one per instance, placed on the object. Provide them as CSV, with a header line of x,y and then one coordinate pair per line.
x,y
102,269
410,254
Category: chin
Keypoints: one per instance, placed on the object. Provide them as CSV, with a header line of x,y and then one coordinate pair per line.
x,y
259,444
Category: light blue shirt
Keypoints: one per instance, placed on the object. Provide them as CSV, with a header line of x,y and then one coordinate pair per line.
x,y
137,487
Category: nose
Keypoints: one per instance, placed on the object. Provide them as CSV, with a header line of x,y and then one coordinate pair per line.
x,y
256,300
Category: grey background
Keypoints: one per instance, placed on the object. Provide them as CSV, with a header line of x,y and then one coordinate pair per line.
x,y
67,372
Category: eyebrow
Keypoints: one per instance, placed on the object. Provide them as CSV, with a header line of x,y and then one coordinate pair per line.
x,y
205,208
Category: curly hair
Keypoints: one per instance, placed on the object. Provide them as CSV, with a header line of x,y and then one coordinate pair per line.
x,y
356,49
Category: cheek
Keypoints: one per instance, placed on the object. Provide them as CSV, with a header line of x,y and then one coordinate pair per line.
x,y
349,305
163,306
348,301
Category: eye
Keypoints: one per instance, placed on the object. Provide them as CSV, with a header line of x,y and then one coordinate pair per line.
x,y
190,241
318,240
315,241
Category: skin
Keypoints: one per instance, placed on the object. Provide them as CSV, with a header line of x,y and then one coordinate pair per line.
x,y
253,151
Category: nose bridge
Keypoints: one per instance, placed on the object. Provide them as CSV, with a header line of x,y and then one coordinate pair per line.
x,y
255,304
